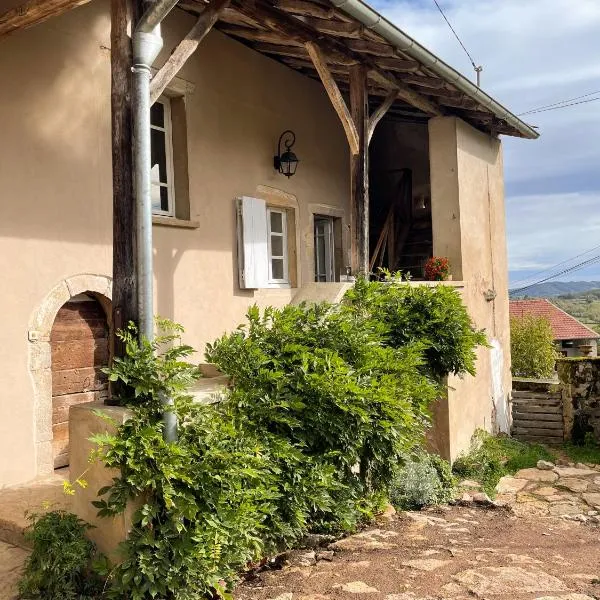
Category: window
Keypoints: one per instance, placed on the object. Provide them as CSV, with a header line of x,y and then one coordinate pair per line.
x,y
163,188
277,237
324,249
266,254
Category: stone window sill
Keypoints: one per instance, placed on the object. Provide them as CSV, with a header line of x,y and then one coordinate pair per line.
x,y
173,222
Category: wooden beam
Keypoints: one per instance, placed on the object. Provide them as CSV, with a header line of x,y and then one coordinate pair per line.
x,y
375,48
33,12
186,47
359,171
306,8
334,95
257,35
380,113
407,94
422,81
298,63
332,49
300,52
394,63
124,291
346,29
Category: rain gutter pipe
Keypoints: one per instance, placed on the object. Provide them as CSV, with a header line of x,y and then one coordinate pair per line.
x,y
147,43
375,22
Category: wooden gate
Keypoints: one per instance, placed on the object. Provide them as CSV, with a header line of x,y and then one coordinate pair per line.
x,y
79,343
538,416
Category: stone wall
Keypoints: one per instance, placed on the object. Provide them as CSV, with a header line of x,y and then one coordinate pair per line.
x,y
580,384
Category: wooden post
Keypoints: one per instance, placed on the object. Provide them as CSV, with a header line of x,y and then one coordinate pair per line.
x,y
359,171
124,297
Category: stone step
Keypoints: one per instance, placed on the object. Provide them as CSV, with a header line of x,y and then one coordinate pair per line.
x,y
39,496
209,389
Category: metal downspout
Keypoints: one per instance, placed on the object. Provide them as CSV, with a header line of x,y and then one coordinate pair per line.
x,y
147,43
374,21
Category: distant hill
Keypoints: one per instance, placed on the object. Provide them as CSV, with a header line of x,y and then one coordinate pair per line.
x,y
551,289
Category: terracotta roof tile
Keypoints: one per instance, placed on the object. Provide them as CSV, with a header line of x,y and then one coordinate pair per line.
x,y
564,326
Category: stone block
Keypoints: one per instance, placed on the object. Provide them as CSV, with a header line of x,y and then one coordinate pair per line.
x,y
536,475
510,485
84,423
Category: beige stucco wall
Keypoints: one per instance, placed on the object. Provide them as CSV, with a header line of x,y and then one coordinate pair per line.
x,y
55,176
469,227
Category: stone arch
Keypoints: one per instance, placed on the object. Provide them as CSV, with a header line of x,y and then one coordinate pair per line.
x,y
40,361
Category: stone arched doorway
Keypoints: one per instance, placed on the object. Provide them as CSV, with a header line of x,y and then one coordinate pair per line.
x,y
79,346
98,287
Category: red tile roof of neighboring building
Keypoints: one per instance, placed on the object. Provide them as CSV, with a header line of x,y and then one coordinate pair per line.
x,y
564,326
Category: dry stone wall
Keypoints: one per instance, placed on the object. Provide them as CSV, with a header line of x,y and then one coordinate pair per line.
x,y
580,385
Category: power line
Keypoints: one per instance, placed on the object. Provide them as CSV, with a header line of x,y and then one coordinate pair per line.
x,y
557,103
479,68
585,263
534,112
560,264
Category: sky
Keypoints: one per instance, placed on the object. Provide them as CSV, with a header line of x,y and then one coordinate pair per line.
x,y
534,53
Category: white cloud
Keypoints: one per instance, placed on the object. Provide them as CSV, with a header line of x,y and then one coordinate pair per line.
x,y
534,52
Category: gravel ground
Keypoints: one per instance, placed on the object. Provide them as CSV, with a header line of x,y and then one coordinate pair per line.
x,y
453,553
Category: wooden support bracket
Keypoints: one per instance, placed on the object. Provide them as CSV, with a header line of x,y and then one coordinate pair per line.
x,y
186,47
33,12
334,95
380,113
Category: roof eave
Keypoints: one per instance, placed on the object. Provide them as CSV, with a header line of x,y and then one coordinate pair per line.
x,y
371,19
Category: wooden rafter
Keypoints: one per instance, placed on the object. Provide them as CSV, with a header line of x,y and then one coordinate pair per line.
x,y
257,35
333,50
400,65
345,29
374,48
186,47
306,8
335,95
380,113
33,12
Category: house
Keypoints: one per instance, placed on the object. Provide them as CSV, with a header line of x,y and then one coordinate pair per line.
x,y
572,337
346,103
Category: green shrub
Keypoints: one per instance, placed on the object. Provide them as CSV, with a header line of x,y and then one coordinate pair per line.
x,y
316,390
423,480
532,347
431,317
60,565
320,377
492,457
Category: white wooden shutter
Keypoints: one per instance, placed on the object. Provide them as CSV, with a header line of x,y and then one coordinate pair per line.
x,y
253,254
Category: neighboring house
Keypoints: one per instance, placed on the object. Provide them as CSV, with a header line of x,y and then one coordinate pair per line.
x,y
229,230
572,337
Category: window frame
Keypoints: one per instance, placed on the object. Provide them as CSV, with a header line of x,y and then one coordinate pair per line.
x,y
274,282
329,240
170,185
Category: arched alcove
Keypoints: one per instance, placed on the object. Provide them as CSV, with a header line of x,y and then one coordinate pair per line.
x,y
98,287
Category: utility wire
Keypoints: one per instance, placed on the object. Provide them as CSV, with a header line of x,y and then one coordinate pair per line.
x,y
560,264
585,263
557,103
534,112
478,69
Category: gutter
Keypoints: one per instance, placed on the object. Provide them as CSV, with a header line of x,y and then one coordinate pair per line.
x,y
372,20
147,43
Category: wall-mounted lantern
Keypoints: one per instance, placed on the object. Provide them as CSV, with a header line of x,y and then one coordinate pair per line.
x,y
287,162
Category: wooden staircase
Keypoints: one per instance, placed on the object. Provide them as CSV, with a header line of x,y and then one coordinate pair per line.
x,y
404,239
